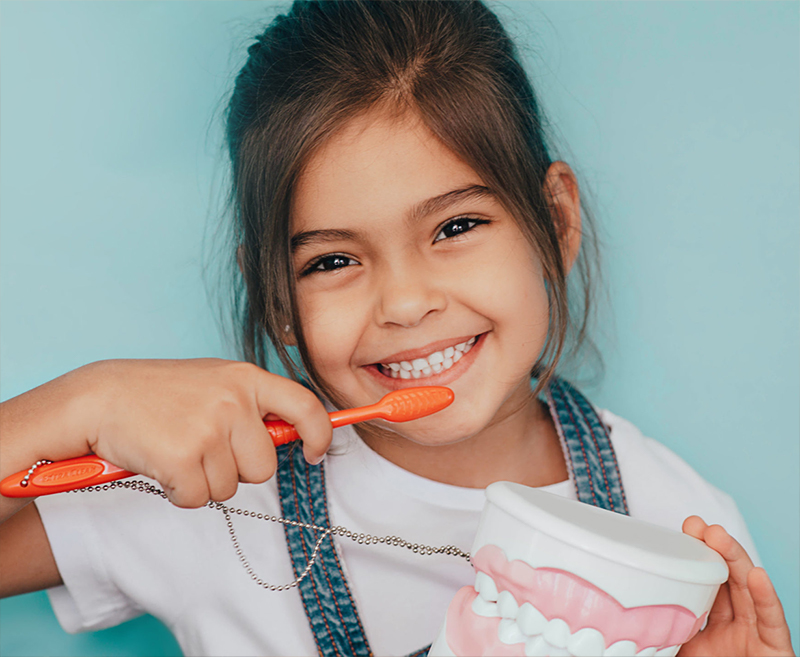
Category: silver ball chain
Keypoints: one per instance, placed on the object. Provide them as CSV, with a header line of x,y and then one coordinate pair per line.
x,y
360,538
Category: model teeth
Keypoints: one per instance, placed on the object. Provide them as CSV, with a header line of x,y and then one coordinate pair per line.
x,y
526,624
438,361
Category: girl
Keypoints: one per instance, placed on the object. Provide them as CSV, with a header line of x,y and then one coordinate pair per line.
x,y
395,202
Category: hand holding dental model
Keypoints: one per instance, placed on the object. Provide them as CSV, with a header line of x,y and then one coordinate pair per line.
x,y
560,577
747,617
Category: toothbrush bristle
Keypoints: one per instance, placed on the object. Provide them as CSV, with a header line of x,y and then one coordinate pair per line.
x,y
409,404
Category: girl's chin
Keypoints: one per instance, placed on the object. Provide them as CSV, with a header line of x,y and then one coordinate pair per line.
x,y
425,432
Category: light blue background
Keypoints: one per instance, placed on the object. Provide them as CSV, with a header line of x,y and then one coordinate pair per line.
x,y
681,117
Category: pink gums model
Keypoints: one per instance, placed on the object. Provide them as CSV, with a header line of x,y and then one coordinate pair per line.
x,y
542,595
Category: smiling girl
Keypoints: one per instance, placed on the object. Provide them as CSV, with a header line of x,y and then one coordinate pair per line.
x,y
400,221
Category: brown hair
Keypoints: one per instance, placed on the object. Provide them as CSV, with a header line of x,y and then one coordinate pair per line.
x,y
325,62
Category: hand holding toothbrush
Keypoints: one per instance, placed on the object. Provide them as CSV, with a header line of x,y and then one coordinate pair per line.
x,y
219,437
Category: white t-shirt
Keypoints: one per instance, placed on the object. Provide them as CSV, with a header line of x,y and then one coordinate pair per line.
x,y
122,553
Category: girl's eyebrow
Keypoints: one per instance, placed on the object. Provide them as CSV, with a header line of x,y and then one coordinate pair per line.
x,y
422,209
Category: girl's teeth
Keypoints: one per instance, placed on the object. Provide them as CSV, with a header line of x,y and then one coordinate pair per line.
x,y
438,361
436,358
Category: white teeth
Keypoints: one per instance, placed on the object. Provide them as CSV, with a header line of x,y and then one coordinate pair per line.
x,y
530,619
536,647
621,649
436,357
438,361
525,624
405,374
484,608
587,642
486,587
507,605
508,632
557,633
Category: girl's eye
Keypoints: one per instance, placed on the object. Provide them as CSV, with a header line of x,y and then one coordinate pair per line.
x,y
456,227
330,262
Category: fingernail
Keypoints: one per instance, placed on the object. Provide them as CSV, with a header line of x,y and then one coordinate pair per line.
x,y
318,460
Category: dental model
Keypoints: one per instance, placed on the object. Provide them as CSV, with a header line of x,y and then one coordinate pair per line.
x,y
559,577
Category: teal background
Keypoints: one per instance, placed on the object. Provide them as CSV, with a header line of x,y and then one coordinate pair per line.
x,y
681,118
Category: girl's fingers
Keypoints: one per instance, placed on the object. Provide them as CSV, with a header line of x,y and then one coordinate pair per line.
x,y
739,565
254,452
770,619
298,406
722,609
221,474
188,491
694,526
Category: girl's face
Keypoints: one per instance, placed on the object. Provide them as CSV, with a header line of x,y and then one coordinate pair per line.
x,y
401,253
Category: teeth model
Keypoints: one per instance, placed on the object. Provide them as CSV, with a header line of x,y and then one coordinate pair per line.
x,y
559,577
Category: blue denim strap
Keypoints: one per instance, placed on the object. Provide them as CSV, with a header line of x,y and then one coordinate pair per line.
x,y
591,459
327,600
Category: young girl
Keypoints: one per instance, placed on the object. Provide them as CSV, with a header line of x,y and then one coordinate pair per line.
x,y
396,205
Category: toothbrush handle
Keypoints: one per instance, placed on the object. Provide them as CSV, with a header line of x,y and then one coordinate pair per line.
x,y
91,470
283,432
62,476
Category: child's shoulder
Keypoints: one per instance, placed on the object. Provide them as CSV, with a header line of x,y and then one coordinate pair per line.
x,y
661,487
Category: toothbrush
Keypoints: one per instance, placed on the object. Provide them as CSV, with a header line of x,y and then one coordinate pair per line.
x,y
91,470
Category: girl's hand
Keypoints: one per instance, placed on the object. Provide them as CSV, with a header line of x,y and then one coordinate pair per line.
x,y
747,617
196,426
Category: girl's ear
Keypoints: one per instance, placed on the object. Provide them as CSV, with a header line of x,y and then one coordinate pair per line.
x,y
563,199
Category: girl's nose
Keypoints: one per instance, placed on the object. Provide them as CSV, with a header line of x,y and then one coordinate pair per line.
x,y
405,298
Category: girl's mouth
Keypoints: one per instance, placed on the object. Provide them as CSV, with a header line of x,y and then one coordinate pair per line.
x,y
437,368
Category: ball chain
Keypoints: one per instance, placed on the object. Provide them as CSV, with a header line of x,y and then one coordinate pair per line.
x,y
228,512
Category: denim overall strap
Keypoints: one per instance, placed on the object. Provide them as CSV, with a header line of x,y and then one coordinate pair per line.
x,y
590,456
327,600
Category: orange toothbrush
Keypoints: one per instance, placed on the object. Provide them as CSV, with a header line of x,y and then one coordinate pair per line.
x,y
91,470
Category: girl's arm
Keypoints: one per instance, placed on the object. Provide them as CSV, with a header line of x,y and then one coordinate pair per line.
x,y
195,426
747,618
